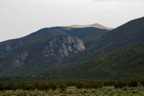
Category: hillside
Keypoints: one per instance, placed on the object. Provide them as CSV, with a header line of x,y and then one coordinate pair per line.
x,y
130,33
122,64
43,49
65,53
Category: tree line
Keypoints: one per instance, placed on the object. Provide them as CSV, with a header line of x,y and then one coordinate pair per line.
x,y
45,85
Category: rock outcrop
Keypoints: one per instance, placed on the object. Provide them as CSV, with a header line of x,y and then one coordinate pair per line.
x,y
61,47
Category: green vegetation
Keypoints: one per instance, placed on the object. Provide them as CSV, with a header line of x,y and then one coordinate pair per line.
x,y
126,63
77,88
73,91
63,85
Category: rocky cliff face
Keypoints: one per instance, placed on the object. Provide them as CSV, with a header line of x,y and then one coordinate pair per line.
x,y
61,47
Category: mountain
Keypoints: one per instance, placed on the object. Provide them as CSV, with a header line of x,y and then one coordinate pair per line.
x,y
71,53
43,49
120,55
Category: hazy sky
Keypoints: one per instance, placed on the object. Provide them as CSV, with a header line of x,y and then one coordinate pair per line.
x,y
21,17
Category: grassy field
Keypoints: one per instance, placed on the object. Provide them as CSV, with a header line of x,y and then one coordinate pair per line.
x,y
73,91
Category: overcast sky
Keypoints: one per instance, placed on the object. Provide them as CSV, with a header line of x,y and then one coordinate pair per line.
x,y
21,17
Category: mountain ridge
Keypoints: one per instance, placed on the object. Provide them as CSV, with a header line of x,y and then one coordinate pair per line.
x,y
95,25
74,53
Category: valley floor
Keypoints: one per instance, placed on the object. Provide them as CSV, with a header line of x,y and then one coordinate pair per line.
x,y
73,91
